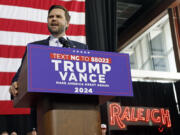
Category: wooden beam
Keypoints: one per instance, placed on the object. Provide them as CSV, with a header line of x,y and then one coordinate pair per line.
x,y
175,4
174,17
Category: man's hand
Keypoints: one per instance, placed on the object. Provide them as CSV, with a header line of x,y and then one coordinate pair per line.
x,y
14,89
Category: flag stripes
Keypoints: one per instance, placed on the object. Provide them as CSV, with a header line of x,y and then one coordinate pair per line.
x,y
36,27
71,5
8,51
5,78
8,109
22,39
4,93
19,38
9,64
36,15
23,22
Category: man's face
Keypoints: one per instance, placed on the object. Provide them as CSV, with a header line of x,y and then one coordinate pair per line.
x,y
57,22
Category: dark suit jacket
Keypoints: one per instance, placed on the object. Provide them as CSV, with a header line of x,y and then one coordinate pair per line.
x,y
72,44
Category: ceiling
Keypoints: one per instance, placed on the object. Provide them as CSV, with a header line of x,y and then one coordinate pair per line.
x,y
129,10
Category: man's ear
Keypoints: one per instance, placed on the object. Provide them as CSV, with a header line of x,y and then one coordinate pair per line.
x,y
67,25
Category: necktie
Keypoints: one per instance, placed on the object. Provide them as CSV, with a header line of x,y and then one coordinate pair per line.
x,y
64,42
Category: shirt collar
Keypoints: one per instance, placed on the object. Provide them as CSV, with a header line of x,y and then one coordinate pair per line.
x,y
53,38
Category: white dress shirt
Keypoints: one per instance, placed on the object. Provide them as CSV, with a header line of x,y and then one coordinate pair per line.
x,y
55,41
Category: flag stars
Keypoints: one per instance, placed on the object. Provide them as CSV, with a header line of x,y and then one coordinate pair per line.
x,y
82,52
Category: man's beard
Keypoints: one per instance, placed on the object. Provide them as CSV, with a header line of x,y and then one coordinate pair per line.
x,y
61,29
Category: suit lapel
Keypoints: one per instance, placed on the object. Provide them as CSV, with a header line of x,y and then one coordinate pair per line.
x,y
46,42
71,44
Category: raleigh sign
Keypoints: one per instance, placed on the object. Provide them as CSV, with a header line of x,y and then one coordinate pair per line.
x,y
121,116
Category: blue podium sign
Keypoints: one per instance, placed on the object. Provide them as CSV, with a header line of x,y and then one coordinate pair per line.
x,y
78,71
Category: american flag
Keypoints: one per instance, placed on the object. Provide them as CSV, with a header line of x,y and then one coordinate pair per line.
x,y
25,21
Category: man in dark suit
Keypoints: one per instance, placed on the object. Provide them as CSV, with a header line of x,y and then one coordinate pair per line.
x,y
58,23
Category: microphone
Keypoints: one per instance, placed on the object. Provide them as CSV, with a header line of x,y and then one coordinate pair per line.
x,y
64,42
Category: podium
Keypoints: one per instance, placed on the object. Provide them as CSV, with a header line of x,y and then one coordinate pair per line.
x,y
66,86
59,113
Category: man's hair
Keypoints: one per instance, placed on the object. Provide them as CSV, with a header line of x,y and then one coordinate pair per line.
x,y
60,7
